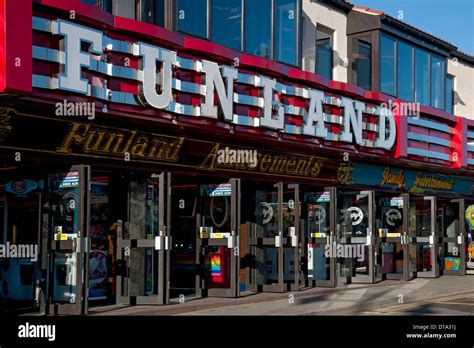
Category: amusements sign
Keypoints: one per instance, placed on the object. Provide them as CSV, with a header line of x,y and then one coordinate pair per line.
x,y
89,142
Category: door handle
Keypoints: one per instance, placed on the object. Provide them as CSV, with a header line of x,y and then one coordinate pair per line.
x,y
168,243
294,241
159,242
278,241
86,244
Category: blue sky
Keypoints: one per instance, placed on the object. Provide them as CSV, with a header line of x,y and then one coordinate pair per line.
x,y
451,20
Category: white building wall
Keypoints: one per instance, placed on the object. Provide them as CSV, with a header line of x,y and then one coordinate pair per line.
x,y
317,13
463,87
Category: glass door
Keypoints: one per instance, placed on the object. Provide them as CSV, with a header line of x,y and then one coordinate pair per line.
x,y
318,223
265,247
451,225
355,242
21,201
69,242
392,218
217,242
291,207
422,235
141,244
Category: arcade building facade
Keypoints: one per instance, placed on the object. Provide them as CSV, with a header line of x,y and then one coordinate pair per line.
x,y
148,156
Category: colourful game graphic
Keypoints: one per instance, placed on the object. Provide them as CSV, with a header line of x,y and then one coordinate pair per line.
x,y
470,229
216,268
452,263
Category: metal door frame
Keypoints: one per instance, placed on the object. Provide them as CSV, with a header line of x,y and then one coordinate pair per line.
x,y
275,242
80,246
331,282
408,272
231,243
293,241
160,243
459,239
432,240
369,240
401,239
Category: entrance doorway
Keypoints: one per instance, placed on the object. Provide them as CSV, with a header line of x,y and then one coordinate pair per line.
x,y
273,237
451,224
21,207
204,260
318,223
217,239
423,236
142,243
69,242
397,260
355,239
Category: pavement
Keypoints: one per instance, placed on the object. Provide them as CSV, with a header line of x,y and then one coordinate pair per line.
x,y
447,295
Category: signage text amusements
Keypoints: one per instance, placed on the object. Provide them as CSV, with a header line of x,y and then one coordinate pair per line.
x,y
157,79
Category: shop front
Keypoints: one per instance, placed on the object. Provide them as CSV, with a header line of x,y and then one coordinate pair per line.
x,y
111,231
227,178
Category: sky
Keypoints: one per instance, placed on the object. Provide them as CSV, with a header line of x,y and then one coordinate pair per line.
x,y
451,20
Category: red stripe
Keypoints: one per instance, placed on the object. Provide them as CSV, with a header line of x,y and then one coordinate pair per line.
x,y
16,46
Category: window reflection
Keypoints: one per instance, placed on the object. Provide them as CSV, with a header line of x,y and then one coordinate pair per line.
x,y
124,8
285,31
227,23
153,11
324,54
422,77
105,5
405,71
362,63
258,28
387,65
437,81
192,17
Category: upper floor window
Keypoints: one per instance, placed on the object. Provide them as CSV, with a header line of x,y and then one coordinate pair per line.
x,y
264,28
152,11
437,82
227,23
124,8
258,24
412,73
422,77
387,65
404,71
285,31
192,17
324,55
450,94
105,5
362,56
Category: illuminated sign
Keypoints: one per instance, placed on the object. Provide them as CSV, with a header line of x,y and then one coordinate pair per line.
x,y
157,80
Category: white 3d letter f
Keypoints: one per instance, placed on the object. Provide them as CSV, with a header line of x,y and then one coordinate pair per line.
x,y
74,35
